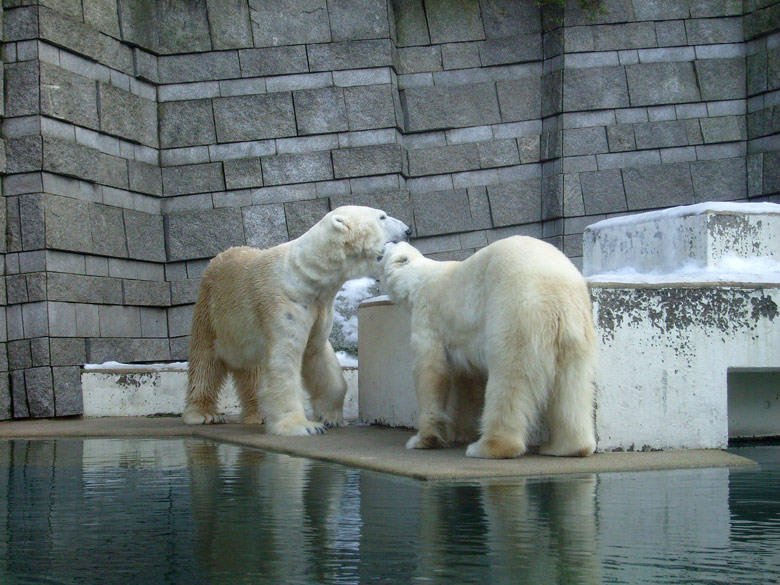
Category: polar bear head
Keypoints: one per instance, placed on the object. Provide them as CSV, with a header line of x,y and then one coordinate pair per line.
x,y
403,268
360,233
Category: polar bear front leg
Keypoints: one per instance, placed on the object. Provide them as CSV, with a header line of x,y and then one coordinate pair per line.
x,y
323,379
431,381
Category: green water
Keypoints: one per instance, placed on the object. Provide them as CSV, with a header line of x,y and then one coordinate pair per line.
x,y
187,511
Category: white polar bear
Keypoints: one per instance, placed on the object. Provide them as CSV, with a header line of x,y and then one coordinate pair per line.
x,y
264,316
508,331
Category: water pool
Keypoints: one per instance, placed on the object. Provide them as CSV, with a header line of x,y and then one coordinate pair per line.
x,y
184,511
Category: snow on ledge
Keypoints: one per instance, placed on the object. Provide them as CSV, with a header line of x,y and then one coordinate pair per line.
x,y
345,360
760,269
684,211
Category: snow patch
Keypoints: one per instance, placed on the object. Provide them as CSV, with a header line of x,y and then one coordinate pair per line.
x,y
686,210
730,269
345,308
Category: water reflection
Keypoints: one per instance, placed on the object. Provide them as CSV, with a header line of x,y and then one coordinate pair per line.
x,y
188,511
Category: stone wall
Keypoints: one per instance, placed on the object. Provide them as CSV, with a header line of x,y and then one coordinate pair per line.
x,y
143,137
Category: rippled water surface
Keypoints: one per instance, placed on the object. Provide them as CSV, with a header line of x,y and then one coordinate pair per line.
x,y
187,511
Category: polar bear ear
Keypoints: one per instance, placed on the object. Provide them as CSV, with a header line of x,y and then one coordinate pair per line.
x,y
340,222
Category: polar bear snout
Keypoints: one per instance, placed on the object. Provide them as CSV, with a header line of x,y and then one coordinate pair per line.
x,y
394,230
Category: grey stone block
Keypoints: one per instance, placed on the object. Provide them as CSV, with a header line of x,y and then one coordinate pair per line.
x,y
632,35
119,321
19,355
418,59
243,173
443,159
479,207
40,392
127,115
154,322
660,134
411,27
297,168
83,289
515,203
499,153
350,55
146,293
662,83
661,9
693,130
507,18
24,155
32,217
369,107
552,197
368,160
594,88
180,348
183,27
520,49
19,406
265,226
708,31
273,61
186,123
441,212
302,215
128,350
198,67
20,24
289,22
721,79
461,55
254,117
67,351
620,137
68,399
144,178
22,88
723,129
771,172
450,22
68,96
190,179
602,192
107,229
16,289
582,141
655,186
39,350
67,224
358,19
203,234
180,320
519,99
434,108
670,33
528,149
145,236
186,291
229,24
318,111
720,179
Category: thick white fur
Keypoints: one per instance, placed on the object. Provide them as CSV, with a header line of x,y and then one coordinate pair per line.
x,y
264,316
511,327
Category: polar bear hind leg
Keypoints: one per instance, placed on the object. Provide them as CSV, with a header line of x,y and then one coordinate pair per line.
x,y
570,407
205,376
247,385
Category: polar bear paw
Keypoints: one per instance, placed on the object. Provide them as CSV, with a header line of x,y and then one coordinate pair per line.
x,y
495,448
197,417
424,442
568,450
297,427
331,418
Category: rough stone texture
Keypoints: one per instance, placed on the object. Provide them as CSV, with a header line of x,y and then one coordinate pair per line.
x,y
254,117
445,114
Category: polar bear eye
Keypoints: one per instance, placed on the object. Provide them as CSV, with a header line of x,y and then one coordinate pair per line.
x,y
382,217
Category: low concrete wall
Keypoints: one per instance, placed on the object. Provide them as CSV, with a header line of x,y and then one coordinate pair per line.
x,y
139,391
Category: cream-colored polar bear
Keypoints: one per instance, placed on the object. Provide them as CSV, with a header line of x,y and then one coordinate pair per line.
x,y
508,332
264,316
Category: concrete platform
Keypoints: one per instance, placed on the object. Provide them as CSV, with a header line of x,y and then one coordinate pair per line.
x,y
374,448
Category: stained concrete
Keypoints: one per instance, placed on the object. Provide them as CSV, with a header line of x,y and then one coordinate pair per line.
x,y
374,448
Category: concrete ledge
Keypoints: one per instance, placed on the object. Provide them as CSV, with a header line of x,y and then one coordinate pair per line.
x,y
374,448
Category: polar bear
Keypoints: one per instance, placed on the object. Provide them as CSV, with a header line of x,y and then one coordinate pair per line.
x,y
507,332
264,316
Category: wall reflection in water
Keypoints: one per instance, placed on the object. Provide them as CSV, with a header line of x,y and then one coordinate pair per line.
x,y
188,511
